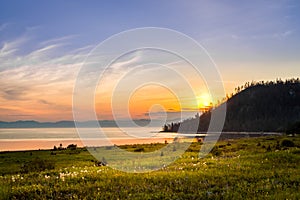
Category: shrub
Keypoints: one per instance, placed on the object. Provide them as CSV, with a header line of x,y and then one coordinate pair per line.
x,y
287,143
258,144
72,146
140,149
269,148
216,151
37,165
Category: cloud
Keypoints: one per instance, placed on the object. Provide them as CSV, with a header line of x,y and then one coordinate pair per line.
x,y
173,114
9,48
13,114
20,115
14,93
190,109
44,102
58,40
40,82
44,50
282,35
4,26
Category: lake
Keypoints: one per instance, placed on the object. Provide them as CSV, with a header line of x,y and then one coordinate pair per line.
x,y
46,138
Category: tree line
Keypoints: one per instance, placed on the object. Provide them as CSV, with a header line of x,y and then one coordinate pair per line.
x,y
255,106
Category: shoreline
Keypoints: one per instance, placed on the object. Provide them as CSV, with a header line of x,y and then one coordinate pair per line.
x,y
45,144
15,145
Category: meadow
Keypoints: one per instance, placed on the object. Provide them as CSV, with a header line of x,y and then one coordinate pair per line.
x,y
248,168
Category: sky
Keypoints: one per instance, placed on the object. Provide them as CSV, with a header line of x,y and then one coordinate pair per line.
x,y
43,45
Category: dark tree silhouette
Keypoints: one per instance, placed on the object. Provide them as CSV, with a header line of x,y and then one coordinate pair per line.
x,y
256,106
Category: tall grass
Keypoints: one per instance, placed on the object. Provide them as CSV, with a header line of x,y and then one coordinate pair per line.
x,y
242,169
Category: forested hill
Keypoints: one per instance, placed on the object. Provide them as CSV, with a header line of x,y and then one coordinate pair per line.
x,y
263,106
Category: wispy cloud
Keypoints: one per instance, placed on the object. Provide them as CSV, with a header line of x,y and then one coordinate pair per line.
x,y
282,35
45,102
9,48
58,40
4,26
40,81
12,93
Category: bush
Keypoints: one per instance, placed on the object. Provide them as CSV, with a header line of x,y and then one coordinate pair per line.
x,y
72,146
37,165
140,149
216,151
287,143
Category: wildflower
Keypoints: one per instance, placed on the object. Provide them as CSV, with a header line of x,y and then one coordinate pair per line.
x,y
61,175
74,174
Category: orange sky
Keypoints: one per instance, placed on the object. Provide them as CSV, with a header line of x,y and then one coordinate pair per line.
x,y
44,101
42,52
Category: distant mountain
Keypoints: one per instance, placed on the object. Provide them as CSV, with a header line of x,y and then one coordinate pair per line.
x,y
70,124
264,106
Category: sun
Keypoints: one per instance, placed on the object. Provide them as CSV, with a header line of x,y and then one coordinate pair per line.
x,y
204,101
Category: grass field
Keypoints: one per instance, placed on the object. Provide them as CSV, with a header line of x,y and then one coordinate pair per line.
x,y
254,168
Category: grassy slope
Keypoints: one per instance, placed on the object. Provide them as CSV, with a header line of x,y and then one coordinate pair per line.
x,y
239,169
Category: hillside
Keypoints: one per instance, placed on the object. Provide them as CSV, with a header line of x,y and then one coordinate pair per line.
x,y
264,107
270,106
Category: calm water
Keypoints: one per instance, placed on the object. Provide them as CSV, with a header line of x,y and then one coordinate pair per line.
x,y
46,138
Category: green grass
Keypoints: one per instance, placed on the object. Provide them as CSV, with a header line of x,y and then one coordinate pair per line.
x,y
255,168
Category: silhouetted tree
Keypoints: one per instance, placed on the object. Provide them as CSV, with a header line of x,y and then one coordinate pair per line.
x,y
257,106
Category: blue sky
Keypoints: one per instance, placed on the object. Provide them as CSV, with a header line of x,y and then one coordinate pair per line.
x,y
42,43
